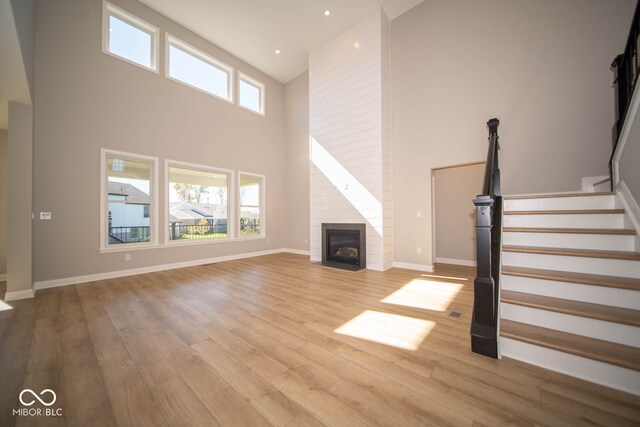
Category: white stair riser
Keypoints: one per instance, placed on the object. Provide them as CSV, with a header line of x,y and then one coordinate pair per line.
x,y
607,267
567,240
590,370
623,298
565,221
598,329
560,203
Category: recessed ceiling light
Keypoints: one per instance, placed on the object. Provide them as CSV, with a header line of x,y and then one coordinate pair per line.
x,y
327,12
356,45
278,51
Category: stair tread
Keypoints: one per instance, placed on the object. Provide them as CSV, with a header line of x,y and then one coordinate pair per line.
x,y
580,278
616,231
606,313
558,195
591,348
567,212
588,253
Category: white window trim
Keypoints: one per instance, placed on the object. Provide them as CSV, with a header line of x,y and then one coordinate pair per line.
x,y
263,211
153,190
170,40
259,85
230,203
107,10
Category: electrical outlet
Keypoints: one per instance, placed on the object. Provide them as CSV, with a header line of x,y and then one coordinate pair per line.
x,y
45,215
268,240
127,257
306,240
419,214
419,250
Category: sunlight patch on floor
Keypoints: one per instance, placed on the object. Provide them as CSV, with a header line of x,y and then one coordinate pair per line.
x,y
389,329
4,306
425,294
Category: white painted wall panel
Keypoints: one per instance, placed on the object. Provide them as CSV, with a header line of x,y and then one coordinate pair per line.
x,y
350,127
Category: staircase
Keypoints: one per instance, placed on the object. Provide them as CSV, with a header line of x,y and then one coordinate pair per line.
x,y
570,287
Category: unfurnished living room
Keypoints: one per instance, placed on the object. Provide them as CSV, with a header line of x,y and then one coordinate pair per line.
x,y
319,213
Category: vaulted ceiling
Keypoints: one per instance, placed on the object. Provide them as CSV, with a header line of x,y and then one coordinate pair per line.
x,y
252,30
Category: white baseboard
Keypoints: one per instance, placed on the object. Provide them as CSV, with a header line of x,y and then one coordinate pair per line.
x,y
456,261
44,284
420,267
16,295
3,277
296,251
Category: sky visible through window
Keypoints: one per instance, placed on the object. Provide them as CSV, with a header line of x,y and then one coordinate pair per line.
x,y
249,197
249,96
191,184
196,72
129,42
142,185
211,195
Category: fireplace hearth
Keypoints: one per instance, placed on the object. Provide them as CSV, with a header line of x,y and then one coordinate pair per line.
x,y
344,246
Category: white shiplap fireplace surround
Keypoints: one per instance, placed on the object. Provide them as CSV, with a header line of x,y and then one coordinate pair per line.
x,y
350,137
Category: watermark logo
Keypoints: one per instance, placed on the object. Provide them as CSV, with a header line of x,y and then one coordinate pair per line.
x,y
46,397
34,395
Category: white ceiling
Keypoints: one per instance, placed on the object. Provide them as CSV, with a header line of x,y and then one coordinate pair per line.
x,y
253,29
13,79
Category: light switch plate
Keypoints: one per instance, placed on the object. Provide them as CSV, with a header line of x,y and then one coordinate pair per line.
x,y
45,215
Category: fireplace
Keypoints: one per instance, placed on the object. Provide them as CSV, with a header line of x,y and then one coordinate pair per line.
x,y
344,246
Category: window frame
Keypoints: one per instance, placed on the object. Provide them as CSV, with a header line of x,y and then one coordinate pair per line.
x,y
108,10
258,85
230,202
263,211
171,40
153,205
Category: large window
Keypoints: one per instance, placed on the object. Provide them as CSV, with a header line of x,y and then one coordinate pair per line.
x,y
198,208
251,202
251,94
128,214
196,69
129,38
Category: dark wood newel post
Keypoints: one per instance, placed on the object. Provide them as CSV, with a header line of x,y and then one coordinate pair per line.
x,y
484,330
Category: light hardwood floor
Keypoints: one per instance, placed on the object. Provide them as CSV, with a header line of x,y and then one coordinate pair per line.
x,y
254,343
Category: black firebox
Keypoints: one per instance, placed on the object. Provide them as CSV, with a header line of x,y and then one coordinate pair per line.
x,y
344,246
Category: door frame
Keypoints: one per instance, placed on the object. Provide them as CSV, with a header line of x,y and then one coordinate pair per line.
x,y
433,201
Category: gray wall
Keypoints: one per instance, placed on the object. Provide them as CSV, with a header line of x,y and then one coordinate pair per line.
x,y
541,66
455,188
4,199
19,243
296,95
87,100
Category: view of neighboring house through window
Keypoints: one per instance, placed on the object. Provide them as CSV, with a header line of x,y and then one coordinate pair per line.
x,y
251,94
198,202
251,194
130,38
196,69
128,201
